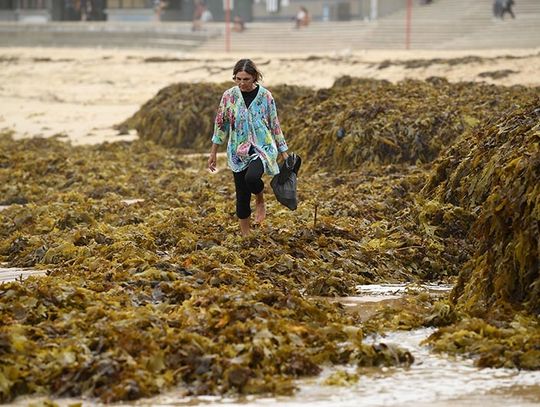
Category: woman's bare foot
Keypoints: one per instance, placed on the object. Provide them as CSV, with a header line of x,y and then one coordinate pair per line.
x,y
244,227
260,208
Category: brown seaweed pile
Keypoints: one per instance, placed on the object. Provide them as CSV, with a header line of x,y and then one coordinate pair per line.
x,y
492,313
182,115
499,74
497,176
424,63
357,121
149,285
493,343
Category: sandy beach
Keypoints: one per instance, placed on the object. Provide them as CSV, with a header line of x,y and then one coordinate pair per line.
x,y
80,94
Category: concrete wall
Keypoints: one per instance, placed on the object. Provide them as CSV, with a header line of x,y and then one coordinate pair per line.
x,y
7,15
33,15
130,14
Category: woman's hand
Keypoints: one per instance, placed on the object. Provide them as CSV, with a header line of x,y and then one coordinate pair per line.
x,y
212,160
284,155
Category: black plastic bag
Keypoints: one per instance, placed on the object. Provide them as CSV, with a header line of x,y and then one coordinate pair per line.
x,y
284,184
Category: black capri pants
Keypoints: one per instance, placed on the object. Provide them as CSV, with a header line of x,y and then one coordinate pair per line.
x,y
247,182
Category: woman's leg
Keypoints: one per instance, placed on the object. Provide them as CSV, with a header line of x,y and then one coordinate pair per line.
x,y
255,185
243,196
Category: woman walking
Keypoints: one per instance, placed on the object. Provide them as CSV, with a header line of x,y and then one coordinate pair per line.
x,y
247,118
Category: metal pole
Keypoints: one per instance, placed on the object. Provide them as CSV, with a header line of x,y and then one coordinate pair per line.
x,y
374,12
227,25
408,24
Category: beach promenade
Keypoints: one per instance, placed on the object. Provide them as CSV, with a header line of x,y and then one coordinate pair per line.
x,y
443,25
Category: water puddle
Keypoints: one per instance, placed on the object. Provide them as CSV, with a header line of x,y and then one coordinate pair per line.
x,y
432,381
132,201
372,297
401,289
16,273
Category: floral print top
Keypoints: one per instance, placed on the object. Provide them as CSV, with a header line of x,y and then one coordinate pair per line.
x,y
256,126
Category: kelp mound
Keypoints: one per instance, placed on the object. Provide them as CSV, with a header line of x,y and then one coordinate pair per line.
x,y
343,235
497,175
182,115
508,344
149,286
62,336
466,60
355,122
362,121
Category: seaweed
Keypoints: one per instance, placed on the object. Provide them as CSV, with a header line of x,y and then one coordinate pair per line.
x,y
355,122
361,122
182,115
496,344
497,292
148,286
496,176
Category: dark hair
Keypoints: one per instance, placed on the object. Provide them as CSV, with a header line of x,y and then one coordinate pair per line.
x,y
247,65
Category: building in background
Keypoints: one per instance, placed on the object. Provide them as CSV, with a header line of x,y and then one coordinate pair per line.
x,y
40,11
182,10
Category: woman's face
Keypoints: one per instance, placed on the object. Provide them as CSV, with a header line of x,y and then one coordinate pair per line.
x,y
245,81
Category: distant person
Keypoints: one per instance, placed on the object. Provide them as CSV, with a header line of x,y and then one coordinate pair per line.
x,y
497,8
159,6
206,15
302,17
238,24
507,8
197,15
70,11
501,7
86,9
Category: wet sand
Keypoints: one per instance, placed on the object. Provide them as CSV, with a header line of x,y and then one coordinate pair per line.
x,y
80,94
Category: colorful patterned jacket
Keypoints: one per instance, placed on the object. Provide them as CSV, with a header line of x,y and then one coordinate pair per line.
x,y
256,126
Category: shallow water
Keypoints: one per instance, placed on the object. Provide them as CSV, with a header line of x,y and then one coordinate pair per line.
x,y
433,380
371,298
16,273
377,290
